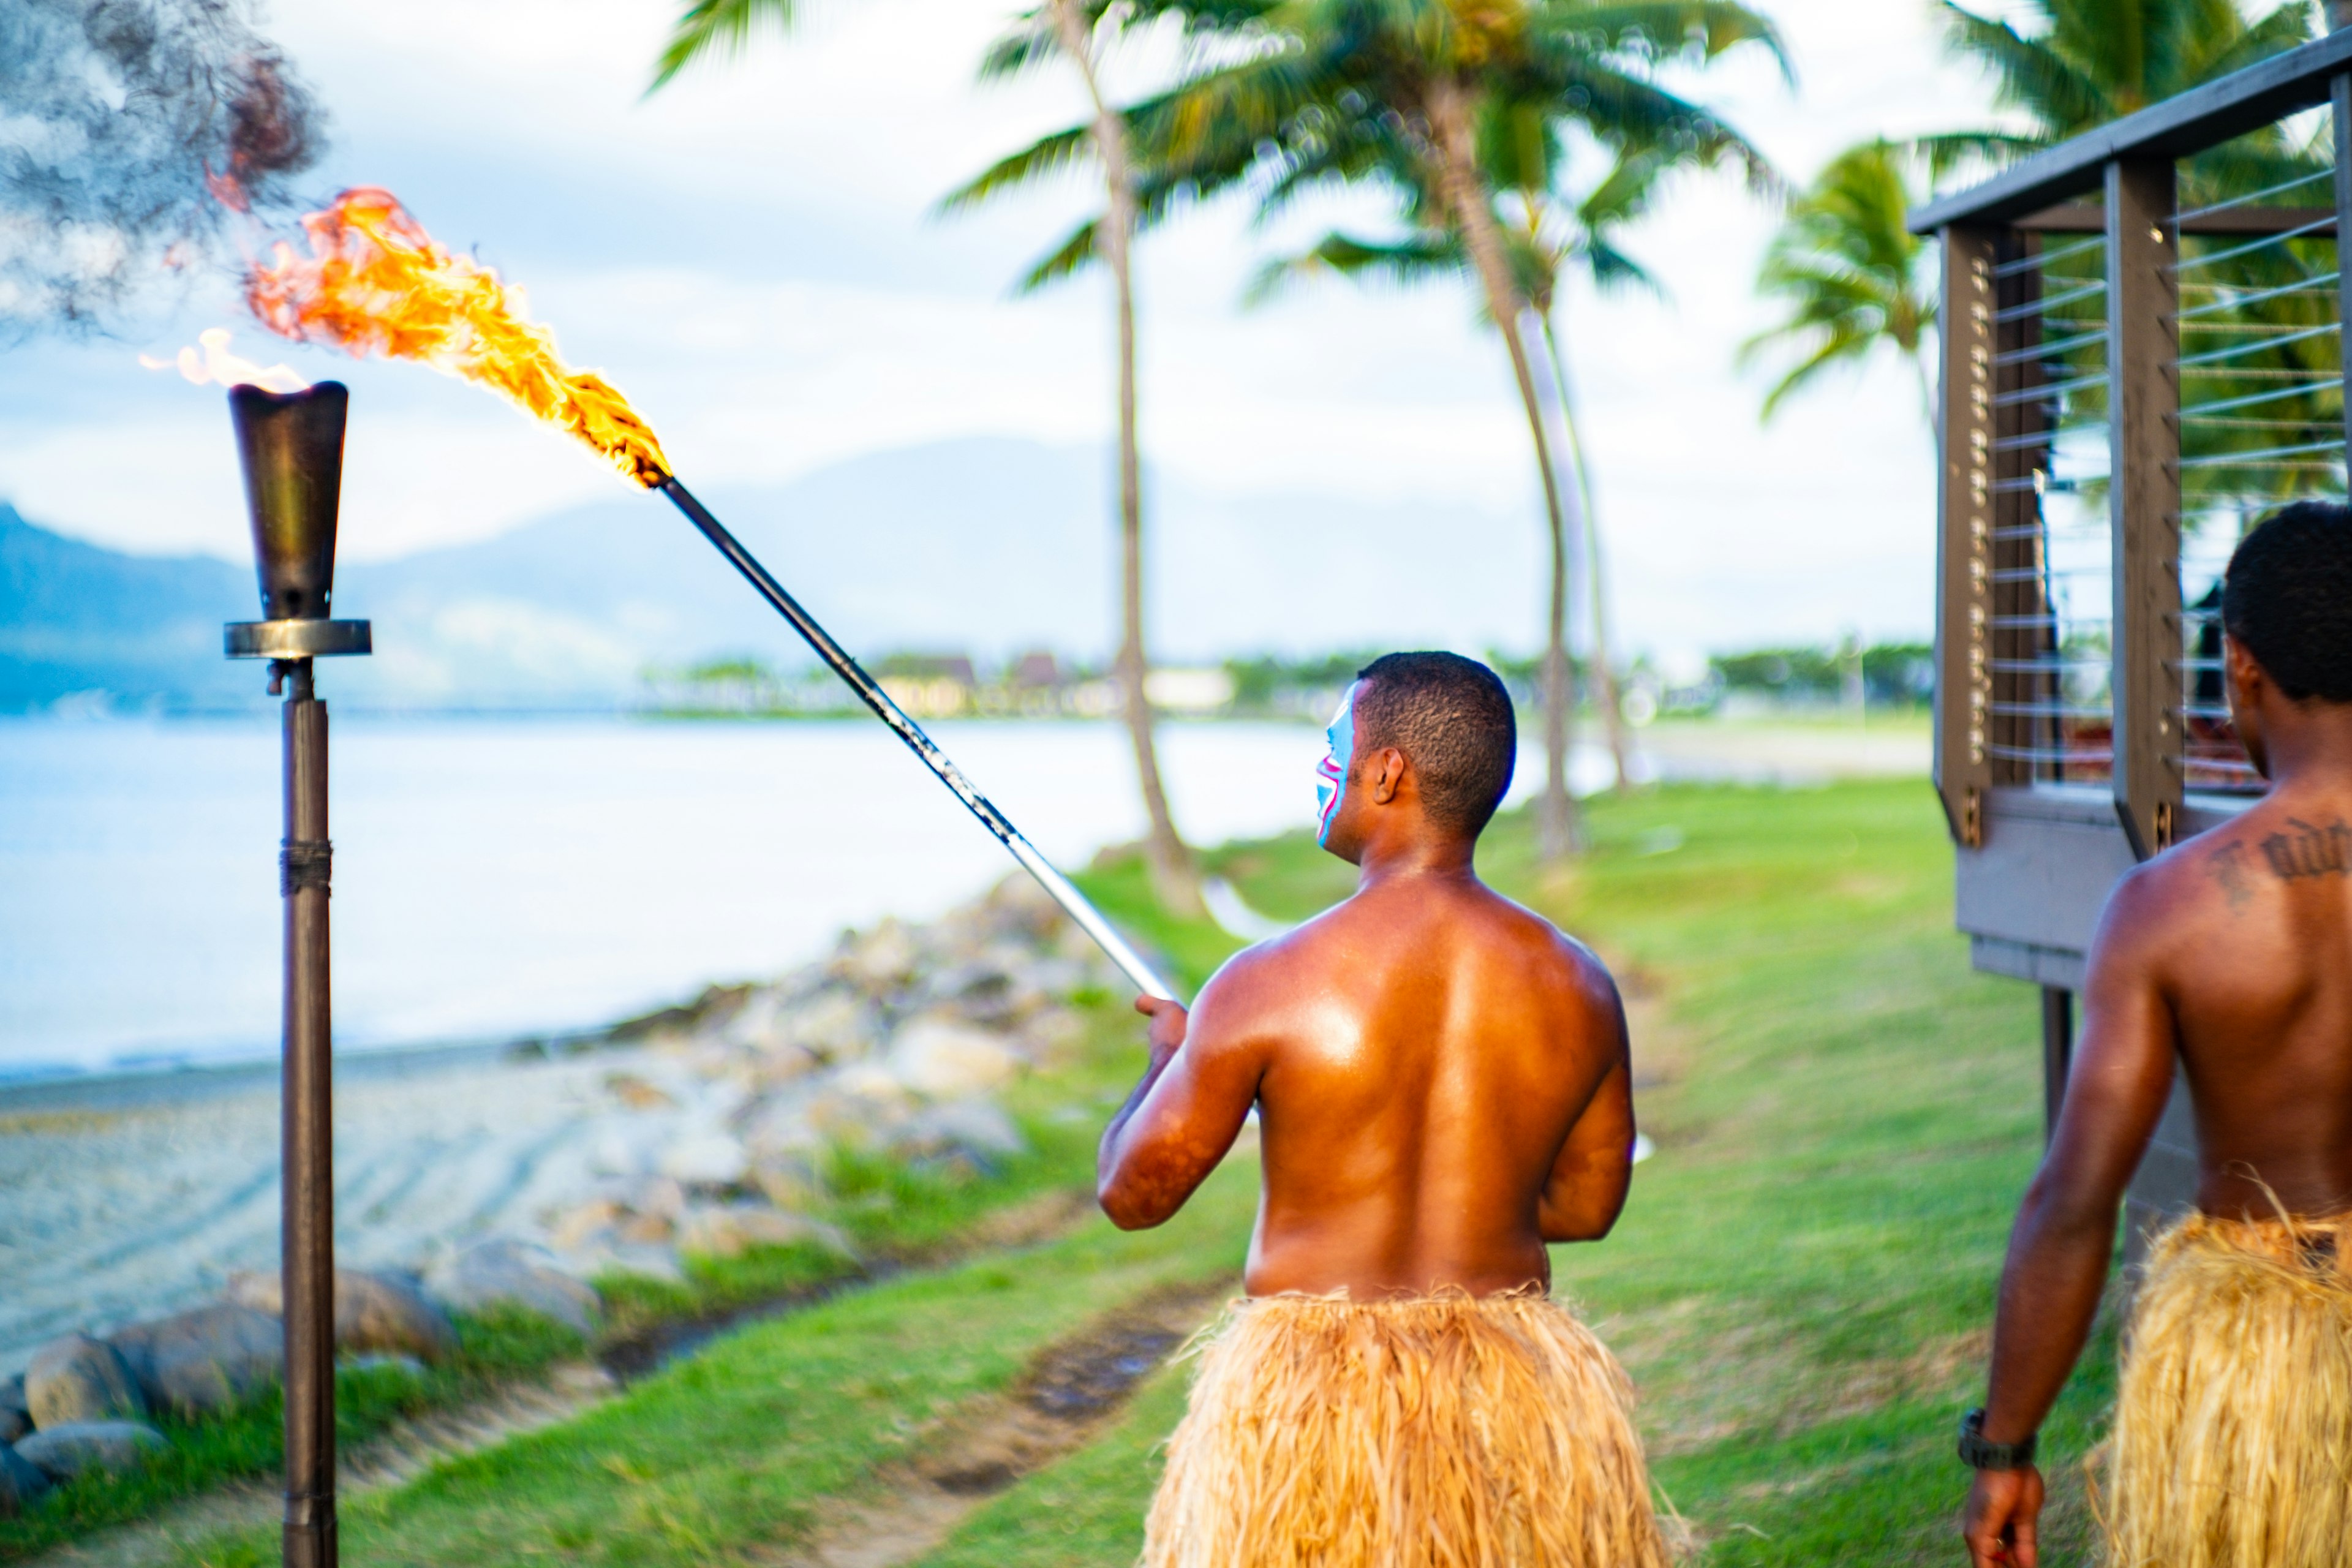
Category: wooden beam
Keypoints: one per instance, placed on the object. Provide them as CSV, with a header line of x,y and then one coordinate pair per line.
x,y
2187,123
2143,500
1964,529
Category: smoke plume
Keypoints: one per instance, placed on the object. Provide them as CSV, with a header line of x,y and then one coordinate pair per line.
x,y
131,130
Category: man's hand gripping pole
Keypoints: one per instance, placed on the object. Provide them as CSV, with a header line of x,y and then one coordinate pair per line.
x,y
1074,903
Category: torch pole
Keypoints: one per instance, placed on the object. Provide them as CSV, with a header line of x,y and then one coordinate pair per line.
x,y
309,1151
1058,887
291,447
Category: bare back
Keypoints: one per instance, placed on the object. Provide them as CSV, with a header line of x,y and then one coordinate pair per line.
x,y
2245,933
1420,1090
1442,1083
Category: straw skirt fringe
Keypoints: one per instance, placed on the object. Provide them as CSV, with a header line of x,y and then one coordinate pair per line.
x,y
1432,1432
2232,1445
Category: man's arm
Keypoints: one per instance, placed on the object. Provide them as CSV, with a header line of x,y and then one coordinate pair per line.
x,y
1184,1114
2065,1233
1586,1191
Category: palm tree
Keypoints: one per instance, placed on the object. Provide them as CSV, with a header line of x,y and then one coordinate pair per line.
x,y
2068,65
1550,235
1845,266
1080,32
1558,237
1399,94
1854,279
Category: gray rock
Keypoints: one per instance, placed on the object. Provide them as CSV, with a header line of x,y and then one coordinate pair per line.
x,y
941,1059
78,1379
705,1157
206,1361
503,1272
979,1128
16,1416
22,1482
594,1223
880,961
64,1452
373,1311
833,1025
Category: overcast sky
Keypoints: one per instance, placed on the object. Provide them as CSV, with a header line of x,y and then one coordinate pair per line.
x,y
751,256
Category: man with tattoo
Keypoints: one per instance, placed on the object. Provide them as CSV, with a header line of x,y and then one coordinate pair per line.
x,y
2229,954
1443,1088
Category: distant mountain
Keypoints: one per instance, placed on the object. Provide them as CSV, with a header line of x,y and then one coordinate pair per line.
x,y
76,617
983,545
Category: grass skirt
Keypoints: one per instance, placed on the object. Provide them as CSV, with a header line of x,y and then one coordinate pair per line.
x,y
2232,1445
1432,1432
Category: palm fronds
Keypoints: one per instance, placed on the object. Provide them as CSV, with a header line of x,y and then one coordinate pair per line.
x,y
724,26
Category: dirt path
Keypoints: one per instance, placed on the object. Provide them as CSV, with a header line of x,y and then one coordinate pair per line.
x,y
1070,1393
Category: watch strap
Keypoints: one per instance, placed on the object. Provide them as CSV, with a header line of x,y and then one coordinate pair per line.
x,y
1980,1455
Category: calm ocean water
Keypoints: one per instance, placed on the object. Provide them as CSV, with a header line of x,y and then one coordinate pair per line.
x,y
501,877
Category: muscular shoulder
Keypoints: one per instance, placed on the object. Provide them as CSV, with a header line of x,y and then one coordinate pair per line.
x,y
1551,952
2179,899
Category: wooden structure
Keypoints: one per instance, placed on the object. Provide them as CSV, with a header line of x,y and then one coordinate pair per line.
x,y
2141,353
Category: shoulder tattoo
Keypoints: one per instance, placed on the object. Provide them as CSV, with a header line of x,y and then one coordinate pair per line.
x,y
2227,866
2309,851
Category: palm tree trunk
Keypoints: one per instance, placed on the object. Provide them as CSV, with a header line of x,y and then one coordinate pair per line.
x,y
1175,881
1559,833
1613,705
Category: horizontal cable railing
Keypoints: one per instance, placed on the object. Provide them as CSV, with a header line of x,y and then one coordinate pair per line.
x,y
2260,425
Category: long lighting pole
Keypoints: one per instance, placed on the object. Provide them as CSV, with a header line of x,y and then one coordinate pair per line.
x,y
291,447
1075,903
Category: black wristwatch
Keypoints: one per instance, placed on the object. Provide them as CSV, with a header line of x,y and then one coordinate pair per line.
x,y
1979,1455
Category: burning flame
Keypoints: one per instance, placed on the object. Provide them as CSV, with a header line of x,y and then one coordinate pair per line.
x,y
216,364
375,282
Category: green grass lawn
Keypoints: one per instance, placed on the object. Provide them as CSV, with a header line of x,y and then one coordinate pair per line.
x,y
1803,1279
1800,1285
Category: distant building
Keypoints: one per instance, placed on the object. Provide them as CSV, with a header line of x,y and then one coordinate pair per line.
x,y
1038,672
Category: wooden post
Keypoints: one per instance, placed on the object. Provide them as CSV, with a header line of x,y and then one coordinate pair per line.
x,y
1964,528
2144,499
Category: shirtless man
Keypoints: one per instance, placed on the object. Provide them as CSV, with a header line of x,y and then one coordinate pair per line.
x,y
2231,953
1443,1088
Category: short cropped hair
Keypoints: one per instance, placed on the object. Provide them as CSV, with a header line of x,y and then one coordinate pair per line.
x,y
2287,599
1452,721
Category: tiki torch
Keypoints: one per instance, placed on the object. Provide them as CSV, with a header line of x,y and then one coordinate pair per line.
x,y
375,282
291,446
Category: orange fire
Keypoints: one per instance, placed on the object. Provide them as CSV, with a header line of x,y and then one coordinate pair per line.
x,y
375,282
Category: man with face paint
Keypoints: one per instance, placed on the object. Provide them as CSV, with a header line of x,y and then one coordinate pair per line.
x,y
1443,1090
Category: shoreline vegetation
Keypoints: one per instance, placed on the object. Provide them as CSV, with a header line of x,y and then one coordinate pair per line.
x,y
1801,1288
1850,679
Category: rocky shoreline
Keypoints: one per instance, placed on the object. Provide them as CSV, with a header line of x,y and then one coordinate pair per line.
x,y
708,1130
